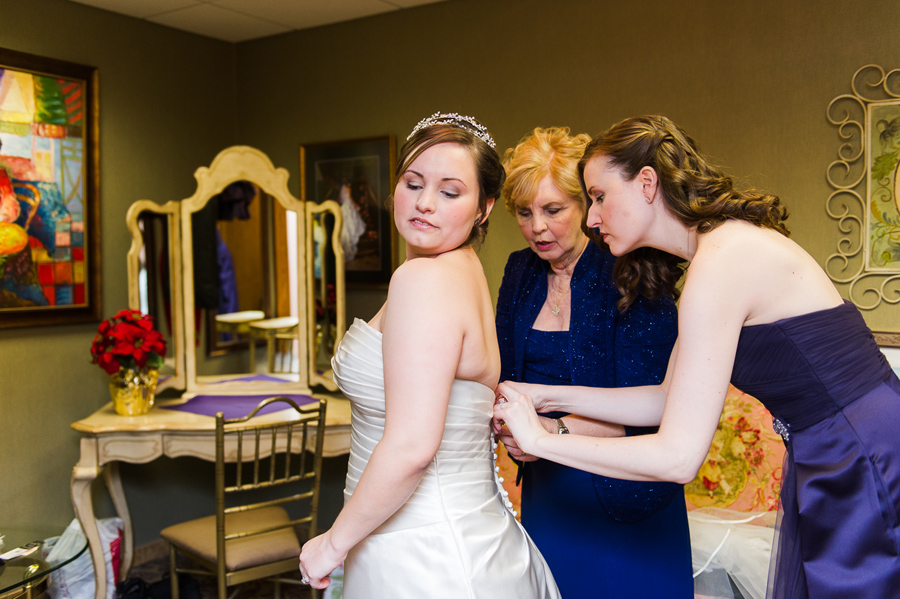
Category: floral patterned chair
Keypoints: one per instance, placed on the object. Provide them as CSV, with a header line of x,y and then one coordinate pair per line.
x,y
732,503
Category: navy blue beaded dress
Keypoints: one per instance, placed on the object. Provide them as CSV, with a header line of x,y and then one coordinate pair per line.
x,y
602,538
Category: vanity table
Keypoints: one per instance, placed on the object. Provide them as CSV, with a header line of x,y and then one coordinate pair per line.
x,y
288,269
108,438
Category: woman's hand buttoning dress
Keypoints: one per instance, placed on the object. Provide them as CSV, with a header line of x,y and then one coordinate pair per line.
x,y
562,321
424,514
775,327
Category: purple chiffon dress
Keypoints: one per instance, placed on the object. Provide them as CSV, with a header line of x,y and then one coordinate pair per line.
x,y
836,403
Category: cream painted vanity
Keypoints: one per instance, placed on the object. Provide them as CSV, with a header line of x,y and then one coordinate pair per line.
x,y
291,252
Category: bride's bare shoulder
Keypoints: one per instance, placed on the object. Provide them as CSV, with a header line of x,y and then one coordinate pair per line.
x,y
445,278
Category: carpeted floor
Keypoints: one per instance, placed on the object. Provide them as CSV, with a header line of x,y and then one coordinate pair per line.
x,y
155,570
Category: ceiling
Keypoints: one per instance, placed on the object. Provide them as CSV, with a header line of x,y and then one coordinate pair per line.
x,y
242,20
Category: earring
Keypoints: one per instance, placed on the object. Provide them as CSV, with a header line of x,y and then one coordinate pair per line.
x,y
648,200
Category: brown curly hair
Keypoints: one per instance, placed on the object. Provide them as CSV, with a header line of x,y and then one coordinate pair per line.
x,y
697,193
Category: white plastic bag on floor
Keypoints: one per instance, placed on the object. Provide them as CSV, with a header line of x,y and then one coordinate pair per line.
x,y
76,579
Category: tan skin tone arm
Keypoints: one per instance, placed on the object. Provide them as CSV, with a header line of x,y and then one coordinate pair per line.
x,y
601,412
577,425
631,406
694,392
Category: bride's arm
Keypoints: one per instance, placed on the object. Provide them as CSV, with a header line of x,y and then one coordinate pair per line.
x,y
422,342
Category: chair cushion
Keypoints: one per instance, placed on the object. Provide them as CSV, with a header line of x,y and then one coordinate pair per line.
x,y
199,537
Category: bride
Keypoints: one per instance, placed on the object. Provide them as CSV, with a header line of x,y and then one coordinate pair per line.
x,y
424,514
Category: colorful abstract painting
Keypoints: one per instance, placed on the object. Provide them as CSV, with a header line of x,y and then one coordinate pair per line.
x,y
47,193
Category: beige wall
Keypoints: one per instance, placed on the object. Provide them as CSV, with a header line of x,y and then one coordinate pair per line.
x,y
167,105
750,80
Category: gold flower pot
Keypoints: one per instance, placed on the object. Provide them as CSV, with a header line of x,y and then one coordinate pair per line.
x,y
133,391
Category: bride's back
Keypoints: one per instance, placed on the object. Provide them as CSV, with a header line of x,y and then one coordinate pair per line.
x,y
458,305
480,356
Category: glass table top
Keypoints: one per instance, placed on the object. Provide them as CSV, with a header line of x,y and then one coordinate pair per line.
x,y
18,573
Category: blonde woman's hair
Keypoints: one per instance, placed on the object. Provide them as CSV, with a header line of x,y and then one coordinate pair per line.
x,y
552,151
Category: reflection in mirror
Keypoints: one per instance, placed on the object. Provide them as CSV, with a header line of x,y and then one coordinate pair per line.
x,y
242,283
243,255
233,273
154,280
326,312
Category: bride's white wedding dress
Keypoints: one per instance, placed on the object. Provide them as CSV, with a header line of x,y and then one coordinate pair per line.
x,y
454,538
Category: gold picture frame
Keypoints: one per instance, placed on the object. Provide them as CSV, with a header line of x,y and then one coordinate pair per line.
x,y
865,196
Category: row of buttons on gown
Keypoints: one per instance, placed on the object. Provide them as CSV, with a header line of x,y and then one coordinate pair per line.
x,y
499,478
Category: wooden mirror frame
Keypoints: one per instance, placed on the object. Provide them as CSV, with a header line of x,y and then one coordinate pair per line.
x,y
175,355
242,163
238,163
332,207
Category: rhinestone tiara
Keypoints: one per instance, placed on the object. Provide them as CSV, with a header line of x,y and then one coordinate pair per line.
x,y
465,122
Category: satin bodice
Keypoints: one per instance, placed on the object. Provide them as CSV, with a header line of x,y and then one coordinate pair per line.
x,y
463,459
836,403
800,369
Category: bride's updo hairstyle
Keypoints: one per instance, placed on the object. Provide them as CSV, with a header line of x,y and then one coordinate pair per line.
x,y
468,132
695,192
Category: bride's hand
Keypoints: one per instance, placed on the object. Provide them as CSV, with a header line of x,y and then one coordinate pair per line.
x,y
517,412
318,559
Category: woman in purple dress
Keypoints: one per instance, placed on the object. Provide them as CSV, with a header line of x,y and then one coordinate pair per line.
x,y
758,311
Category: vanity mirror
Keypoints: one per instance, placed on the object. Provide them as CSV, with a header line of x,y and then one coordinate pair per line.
x,y
241,277
325,266
154,279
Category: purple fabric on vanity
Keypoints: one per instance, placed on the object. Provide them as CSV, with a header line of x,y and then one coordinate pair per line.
x,y
235,406
251,378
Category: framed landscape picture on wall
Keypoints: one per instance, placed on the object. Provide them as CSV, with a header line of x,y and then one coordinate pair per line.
x,y
357,175
49,192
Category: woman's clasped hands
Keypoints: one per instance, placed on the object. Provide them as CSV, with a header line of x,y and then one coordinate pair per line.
x,y
516,422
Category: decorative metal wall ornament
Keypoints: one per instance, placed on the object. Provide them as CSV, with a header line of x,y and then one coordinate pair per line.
x,y
866,188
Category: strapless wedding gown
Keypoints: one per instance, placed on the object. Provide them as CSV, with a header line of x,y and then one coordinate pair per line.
x,y
454,537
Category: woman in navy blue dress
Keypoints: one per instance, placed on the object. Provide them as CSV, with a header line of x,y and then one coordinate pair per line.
x,y
562,321
758,311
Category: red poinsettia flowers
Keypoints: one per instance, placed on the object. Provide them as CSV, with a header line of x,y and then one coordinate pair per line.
x,y
128,340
